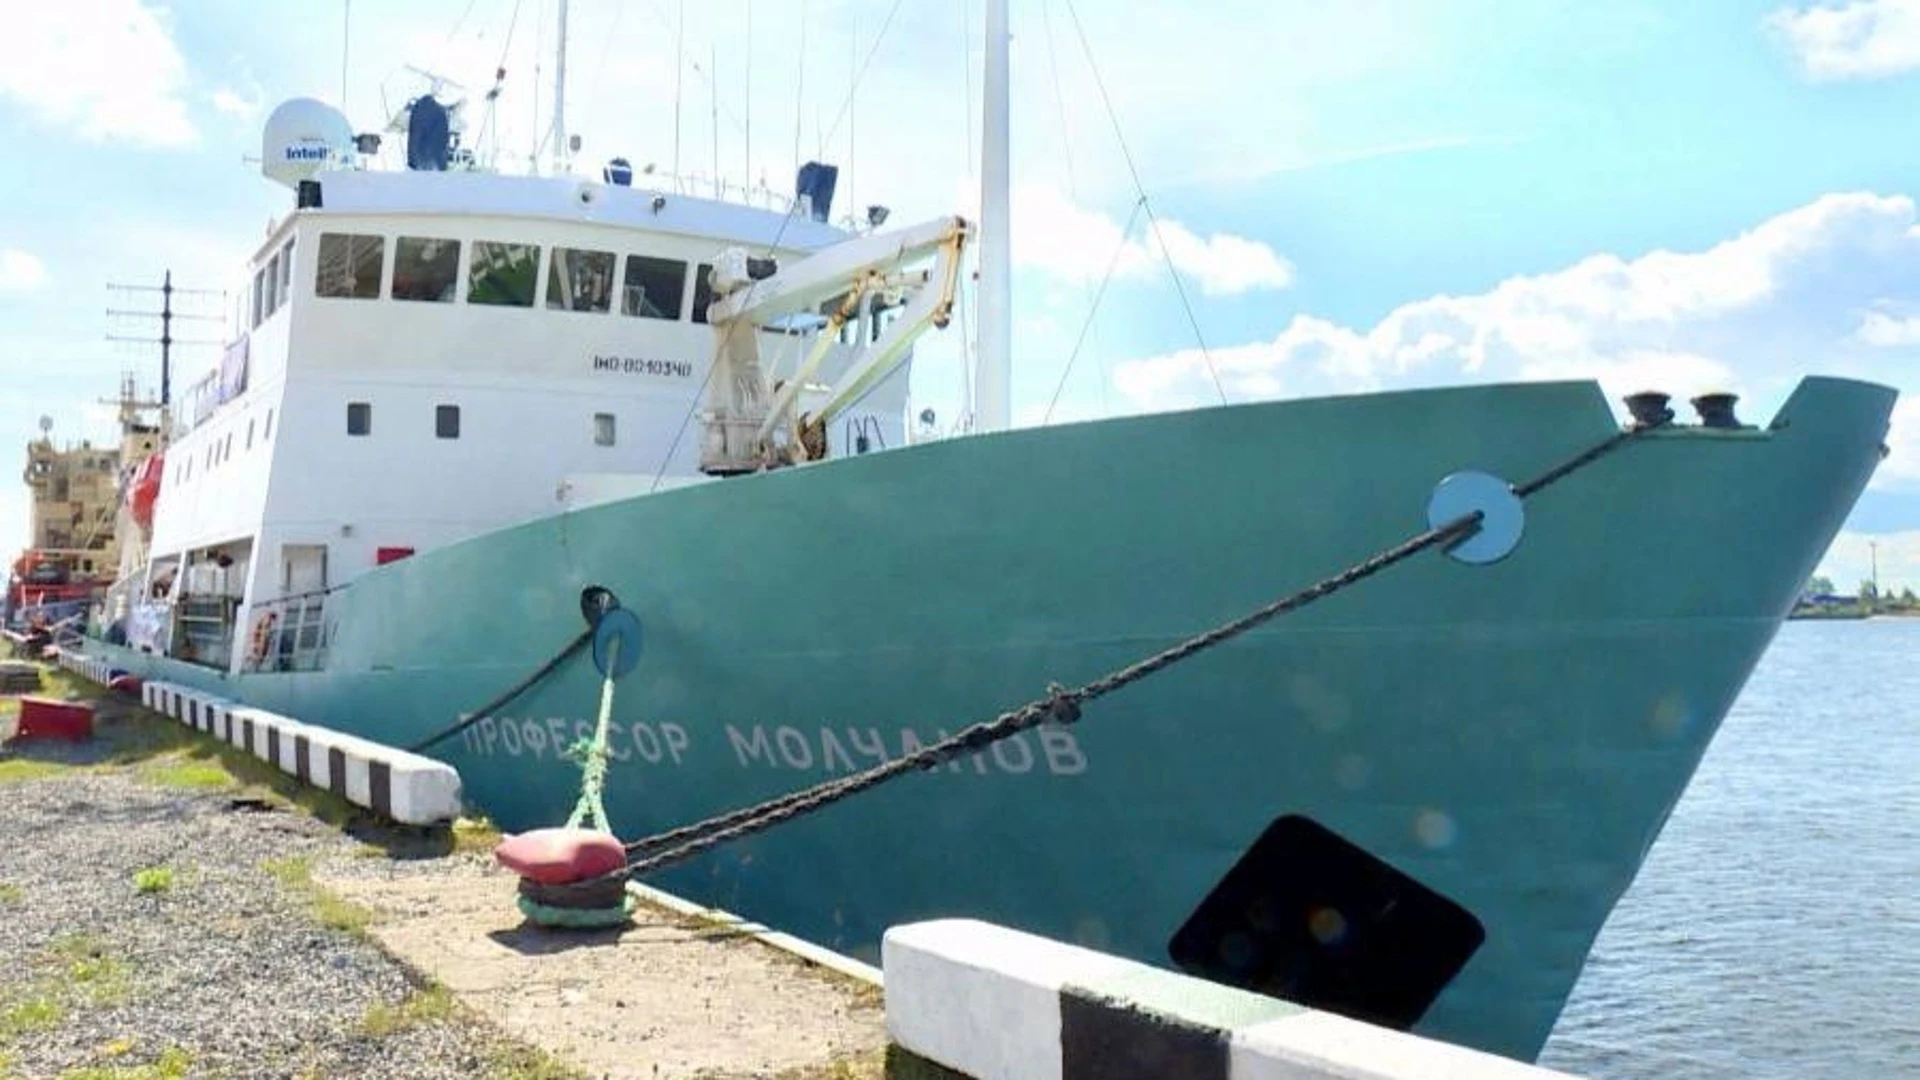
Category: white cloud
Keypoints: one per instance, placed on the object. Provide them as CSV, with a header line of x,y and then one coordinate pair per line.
x,y
1888,331
1068,241
20,271
1861,39
109,69
1751,314
232,104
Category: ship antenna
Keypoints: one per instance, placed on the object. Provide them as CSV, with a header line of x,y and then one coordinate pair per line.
x,y
560,149
346,22
991,392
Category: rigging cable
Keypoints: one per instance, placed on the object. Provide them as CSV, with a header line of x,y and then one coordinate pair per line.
x,y
1112,265
835,126
1073,191
499,76
1153,220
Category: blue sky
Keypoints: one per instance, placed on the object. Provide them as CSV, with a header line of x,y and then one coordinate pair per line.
x,y
1370,194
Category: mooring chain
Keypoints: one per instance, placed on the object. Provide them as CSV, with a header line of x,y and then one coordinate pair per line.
x,y
1060,704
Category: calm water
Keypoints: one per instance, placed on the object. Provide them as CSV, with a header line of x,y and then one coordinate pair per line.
x,y
1774,931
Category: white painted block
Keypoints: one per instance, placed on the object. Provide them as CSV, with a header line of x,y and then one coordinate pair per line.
x,y
980,998
985,1000
1318,1044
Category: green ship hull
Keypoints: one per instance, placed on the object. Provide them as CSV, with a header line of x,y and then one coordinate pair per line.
x,y
1511,736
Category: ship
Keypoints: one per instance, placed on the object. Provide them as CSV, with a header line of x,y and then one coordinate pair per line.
x,y
464,414
77,492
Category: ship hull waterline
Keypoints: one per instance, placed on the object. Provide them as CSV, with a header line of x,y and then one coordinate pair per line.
x,y
1513,736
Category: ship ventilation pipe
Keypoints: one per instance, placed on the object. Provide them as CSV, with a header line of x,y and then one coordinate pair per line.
x,y
1716,410
1649,408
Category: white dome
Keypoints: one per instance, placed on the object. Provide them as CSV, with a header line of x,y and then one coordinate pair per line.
x,y
302,138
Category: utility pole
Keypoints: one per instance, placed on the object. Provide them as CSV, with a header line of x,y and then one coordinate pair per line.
x,y
1873,553
203,306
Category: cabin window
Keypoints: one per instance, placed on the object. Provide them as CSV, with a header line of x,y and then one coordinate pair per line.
x,y
286,272
702,292
250,423
226,447
273,287
653,288
446,421
359,418
350,266
266,432
259,298
425,268
603,429
503,273
580,280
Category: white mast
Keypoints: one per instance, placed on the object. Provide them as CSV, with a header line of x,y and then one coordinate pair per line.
x,y
992,395
561,154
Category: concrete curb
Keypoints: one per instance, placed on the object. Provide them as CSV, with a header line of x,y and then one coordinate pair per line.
x,y
998,1004
399,786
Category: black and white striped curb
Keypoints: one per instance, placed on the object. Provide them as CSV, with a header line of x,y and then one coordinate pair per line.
x,y
96,670
393,783
999,1004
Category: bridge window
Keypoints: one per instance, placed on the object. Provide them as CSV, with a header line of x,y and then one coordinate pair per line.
x,y
702,292
286,272
653,287
603,429
425,268
503,274
272,282
349,266
259,295
446,421
359,417
580,280
266,432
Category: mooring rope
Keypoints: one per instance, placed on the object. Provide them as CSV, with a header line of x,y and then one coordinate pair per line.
x,y
501,702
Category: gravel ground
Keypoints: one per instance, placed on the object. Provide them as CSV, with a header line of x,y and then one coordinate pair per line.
x,y
160,920
227,965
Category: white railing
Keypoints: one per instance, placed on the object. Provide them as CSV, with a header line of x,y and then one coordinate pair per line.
x,y
290,633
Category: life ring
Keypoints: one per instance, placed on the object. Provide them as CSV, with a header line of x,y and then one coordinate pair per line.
x,y
263,634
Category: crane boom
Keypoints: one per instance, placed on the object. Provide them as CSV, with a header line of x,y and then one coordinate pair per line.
x,y
751,425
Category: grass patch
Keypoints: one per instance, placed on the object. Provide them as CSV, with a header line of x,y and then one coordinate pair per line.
x,y
37,1013
11,894
517,1061
475,834
21,770
88,971
187,774
172,1064
433,1005
295,874
154,879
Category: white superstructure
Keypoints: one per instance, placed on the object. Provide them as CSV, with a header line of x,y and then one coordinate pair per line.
x,y
425,355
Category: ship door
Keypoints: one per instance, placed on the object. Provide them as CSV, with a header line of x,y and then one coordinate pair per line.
x,y
303,568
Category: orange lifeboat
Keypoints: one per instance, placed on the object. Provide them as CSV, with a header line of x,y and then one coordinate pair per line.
x,y
145,490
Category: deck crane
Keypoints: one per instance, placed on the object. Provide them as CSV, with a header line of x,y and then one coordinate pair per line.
x,y
753,425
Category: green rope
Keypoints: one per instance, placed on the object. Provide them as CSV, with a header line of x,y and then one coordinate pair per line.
x,y
593,756
578,918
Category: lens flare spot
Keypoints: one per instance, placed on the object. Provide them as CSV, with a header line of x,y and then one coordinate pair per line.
x,y
1671,718
1435,829
1091,933
1327,926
